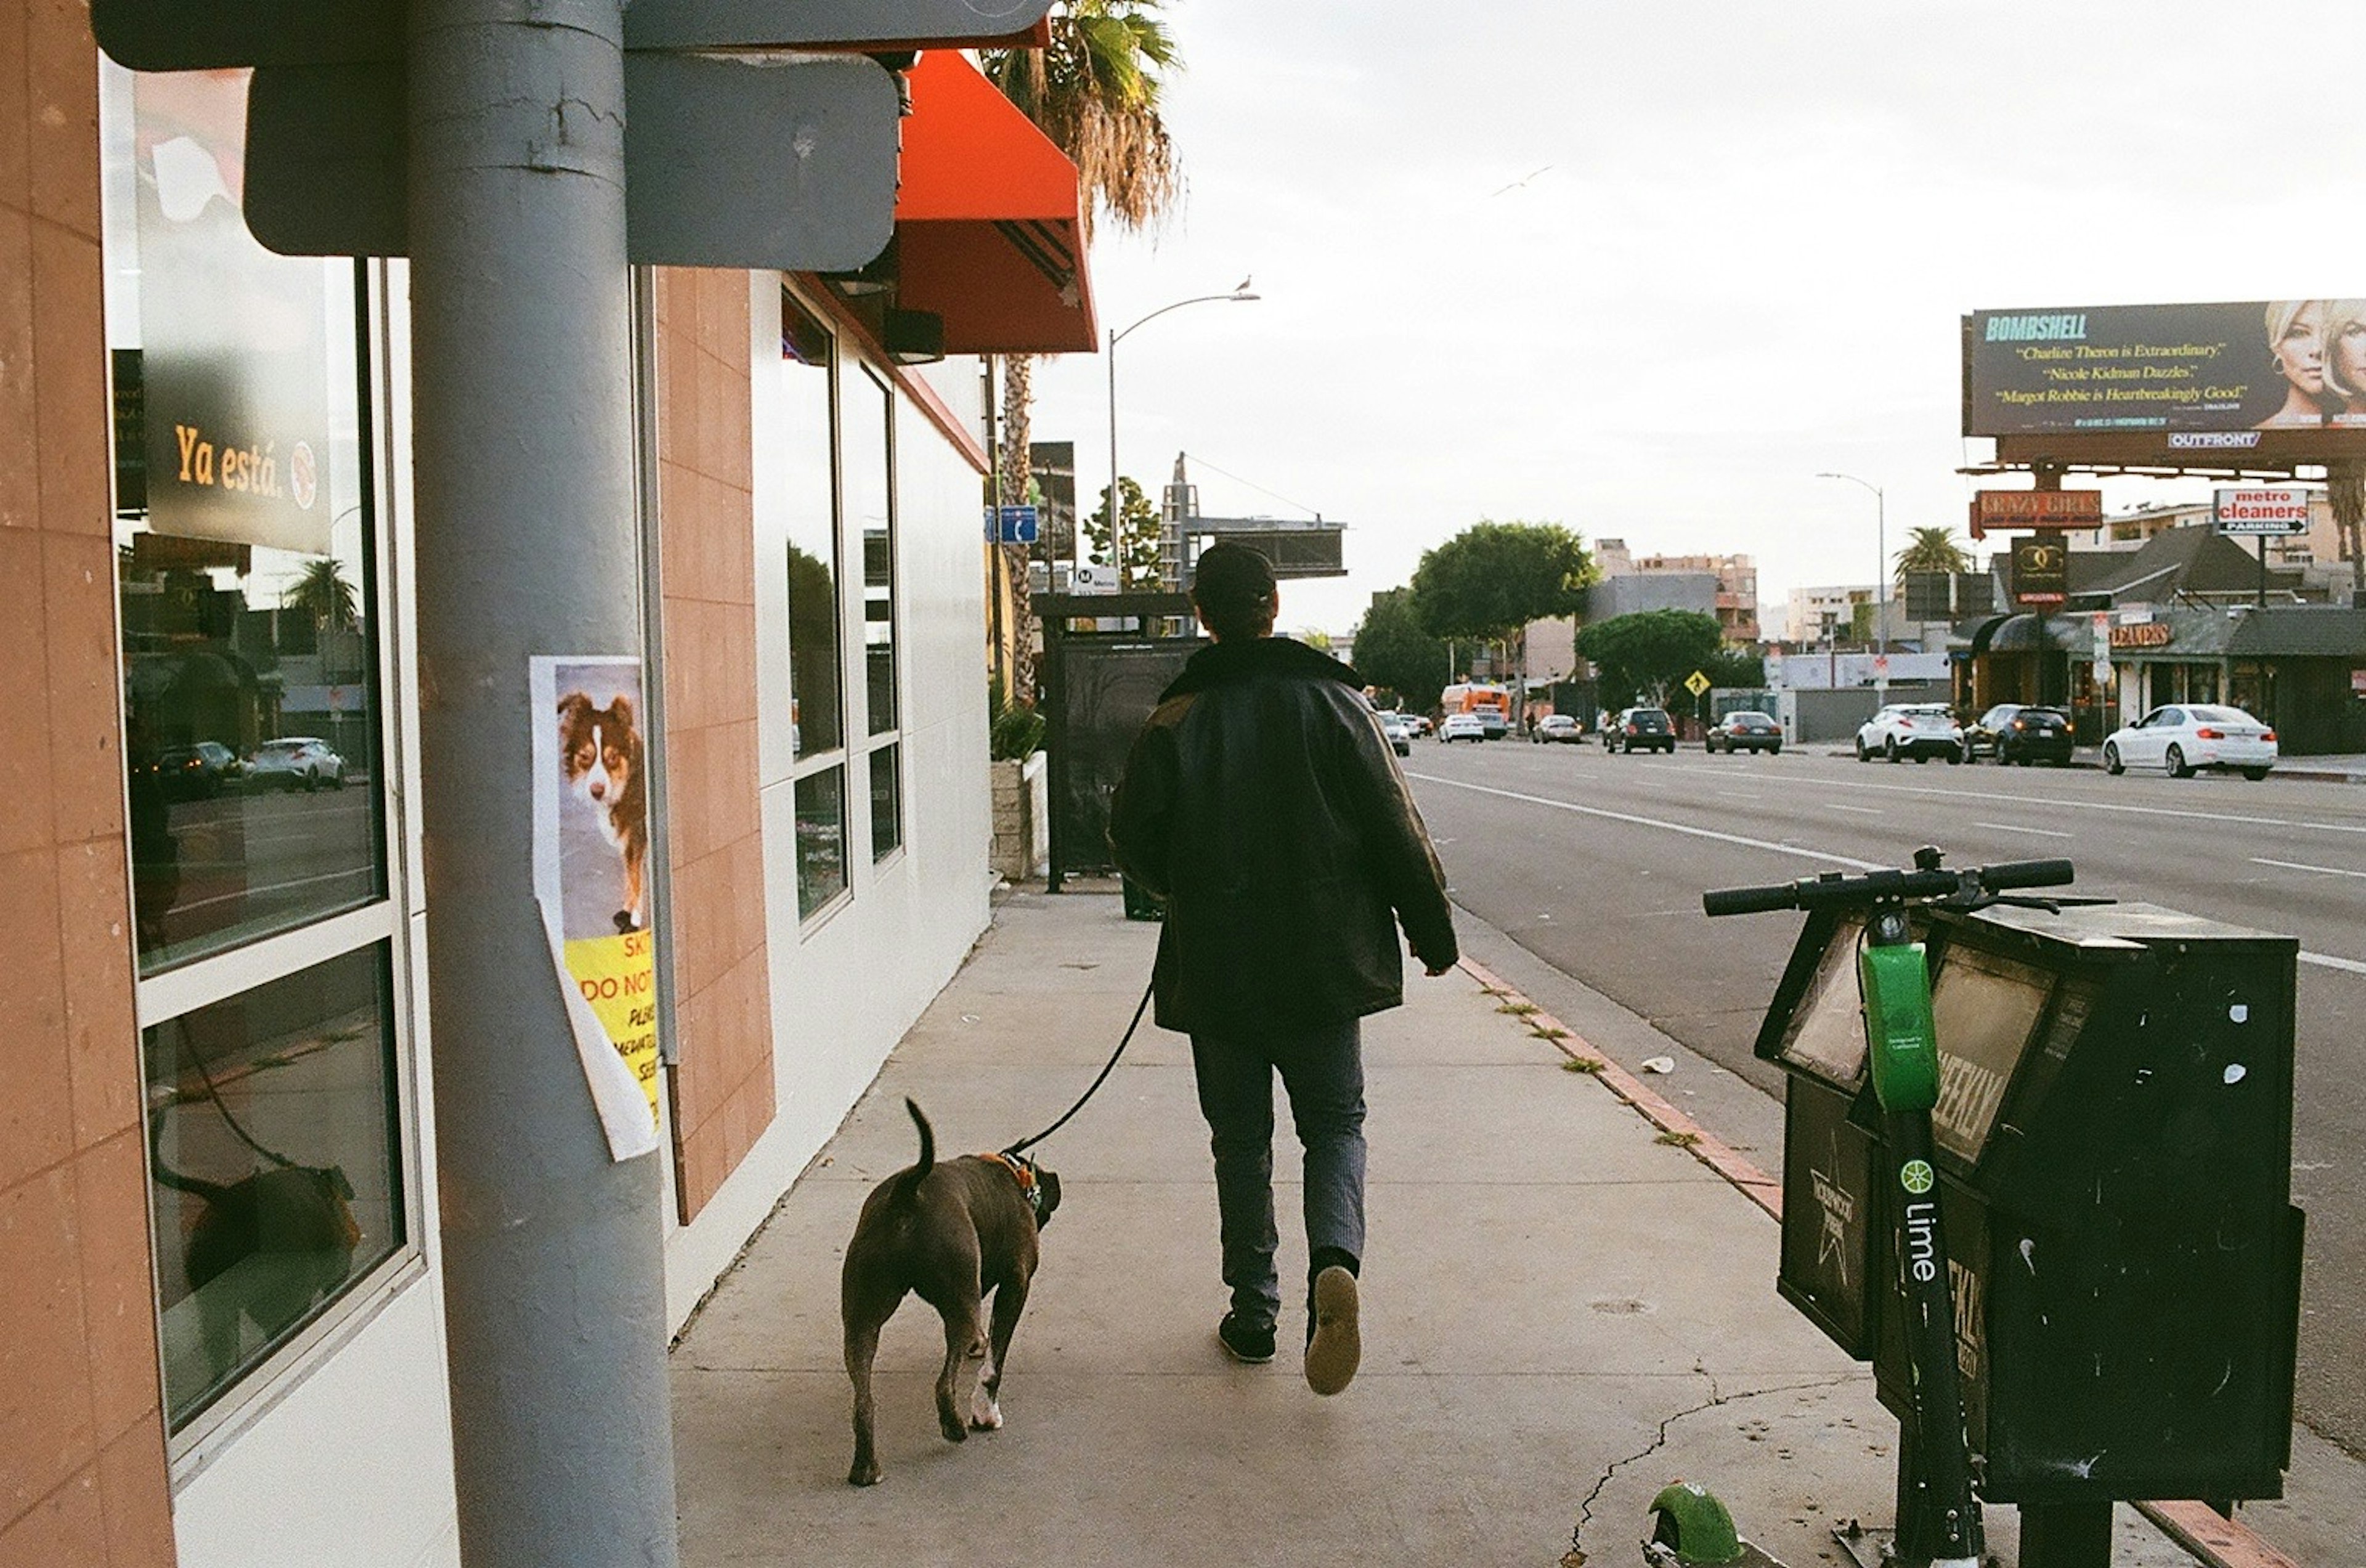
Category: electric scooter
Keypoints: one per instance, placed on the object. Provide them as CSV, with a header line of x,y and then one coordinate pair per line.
x,y
1939,1523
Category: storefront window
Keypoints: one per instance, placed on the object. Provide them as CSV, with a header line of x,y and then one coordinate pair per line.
x,y
886,804
821,839
815,700
243,519
248,557
274,1166
867,462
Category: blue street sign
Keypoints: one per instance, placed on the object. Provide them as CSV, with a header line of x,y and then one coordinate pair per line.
x,y
1016,525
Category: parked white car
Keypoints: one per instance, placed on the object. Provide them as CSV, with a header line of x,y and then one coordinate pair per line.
x,y
1462,727
2187,735
294,762
1920,730
1399,729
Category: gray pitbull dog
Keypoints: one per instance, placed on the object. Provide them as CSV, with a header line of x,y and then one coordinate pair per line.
x,y
954,1233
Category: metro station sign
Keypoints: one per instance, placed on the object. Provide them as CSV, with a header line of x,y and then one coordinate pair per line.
x,y
1996,511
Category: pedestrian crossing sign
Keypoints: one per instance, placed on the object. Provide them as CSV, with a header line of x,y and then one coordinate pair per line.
x,y
1696,682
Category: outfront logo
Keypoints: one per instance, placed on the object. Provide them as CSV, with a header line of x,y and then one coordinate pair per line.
x,y
1916,1177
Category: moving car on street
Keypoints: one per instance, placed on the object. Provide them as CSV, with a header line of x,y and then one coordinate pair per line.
x,y
1640,730
1557,727
294,762
1920,730
2018,732
1745,732
1399,729
1462,727
2187,737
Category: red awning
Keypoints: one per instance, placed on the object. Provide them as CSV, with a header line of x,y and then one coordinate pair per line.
x,y
987,229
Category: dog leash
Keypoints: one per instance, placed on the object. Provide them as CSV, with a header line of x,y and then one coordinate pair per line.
x,y
1123,1041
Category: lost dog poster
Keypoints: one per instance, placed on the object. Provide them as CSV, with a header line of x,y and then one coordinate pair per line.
x,y
591,876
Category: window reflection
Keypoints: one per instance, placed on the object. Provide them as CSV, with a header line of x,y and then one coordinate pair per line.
x,y
886,804
821,839
815,696
870,504
272,1163
243,535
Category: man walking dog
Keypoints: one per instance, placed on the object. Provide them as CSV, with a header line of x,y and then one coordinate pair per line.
x,y
1262,801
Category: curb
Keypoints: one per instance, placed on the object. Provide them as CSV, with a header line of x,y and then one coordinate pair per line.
x,y
2209,1535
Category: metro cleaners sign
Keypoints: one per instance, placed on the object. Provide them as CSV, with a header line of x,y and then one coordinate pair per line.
x,y
2279,511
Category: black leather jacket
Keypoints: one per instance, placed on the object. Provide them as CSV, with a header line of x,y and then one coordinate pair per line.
x,y
1263,802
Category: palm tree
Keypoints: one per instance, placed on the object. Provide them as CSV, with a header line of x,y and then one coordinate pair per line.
x,y
322,593
1095,93
1932,549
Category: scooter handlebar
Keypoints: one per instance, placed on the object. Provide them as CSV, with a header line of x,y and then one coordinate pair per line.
x,y
1750,900
1833,890
2028,873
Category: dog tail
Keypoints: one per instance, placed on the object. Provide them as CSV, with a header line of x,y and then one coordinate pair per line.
x,y
907,1182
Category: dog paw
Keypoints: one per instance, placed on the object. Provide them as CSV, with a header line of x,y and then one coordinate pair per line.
x,y
984,1415
953,1430
864,1475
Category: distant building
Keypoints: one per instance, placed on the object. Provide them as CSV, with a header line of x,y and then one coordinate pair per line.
x,y
2318,552
1734,598
1628,595
1803,616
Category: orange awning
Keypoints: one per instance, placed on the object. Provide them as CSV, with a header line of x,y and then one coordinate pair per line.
x,y
986,228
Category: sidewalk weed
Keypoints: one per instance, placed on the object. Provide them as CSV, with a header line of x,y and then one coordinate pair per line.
x,y
1583,1064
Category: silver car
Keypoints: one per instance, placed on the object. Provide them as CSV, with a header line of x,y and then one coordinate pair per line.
x,y
294,762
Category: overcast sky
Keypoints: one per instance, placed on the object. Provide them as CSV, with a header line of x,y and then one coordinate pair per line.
x,y
1734,251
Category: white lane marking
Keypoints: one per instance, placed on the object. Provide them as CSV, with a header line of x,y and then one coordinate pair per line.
x,y
2321,960
1767,845
2017,827
2295,865
1860,810
1737,795
2072,805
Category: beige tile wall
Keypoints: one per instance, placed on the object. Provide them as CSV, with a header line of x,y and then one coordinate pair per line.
x,y
82,1446
723,1089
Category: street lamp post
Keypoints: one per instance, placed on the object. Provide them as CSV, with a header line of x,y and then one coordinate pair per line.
x,y
1240,295
1880,576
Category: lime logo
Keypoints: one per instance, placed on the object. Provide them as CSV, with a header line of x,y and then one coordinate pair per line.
x,y
1915,1176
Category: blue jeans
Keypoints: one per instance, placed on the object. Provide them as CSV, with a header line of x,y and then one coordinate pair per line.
x,y
1322,1068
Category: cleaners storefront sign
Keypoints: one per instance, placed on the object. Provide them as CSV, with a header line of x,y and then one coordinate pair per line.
x,y
2277,510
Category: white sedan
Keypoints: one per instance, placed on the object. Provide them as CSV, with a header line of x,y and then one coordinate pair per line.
x,y
1462,727
2184,736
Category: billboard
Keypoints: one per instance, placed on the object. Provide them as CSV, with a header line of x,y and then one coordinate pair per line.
x,y
2264,365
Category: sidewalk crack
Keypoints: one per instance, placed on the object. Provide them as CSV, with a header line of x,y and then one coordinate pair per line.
x,y
1716,1398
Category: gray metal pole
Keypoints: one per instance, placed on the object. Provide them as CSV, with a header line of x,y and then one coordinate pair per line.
x,y
553,1274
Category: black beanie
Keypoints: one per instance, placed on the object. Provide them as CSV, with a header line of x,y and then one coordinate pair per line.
x,y
1232,585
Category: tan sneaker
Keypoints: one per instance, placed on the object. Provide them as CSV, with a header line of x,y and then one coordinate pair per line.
x,y
1336,1347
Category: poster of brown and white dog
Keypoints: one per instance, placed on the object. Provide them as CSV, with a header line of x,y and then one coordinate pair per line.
x,y
600,750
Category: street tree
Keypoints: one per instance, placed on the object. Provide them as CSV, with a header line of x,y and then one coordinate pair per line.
x,y
1141,573
322,593
1931,549
1493,579
1396,651
1095,93
1649,653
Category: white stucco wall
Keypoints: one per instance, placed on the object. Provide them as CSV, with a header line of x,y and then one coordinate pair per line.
x,y
846,986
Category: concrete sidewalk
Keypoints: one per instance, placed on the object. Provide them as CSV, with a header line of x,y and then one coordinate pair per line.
x,y
1563,1311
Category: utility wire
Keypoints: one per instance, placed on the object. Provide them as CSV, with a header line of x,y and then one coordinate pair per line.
x,y
1252,484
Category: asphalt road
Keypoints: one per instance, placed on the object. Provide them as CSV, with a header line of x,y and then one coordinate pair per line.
x,y
1597,863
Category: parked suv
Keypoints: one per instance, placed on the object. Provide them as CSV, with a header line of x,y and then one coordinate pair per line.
x,y
1920,730
1640,730
2017,732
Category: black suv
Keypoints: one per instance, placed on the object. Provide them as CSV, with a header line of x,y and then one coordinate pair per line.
x,y
1640,730
2016,732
